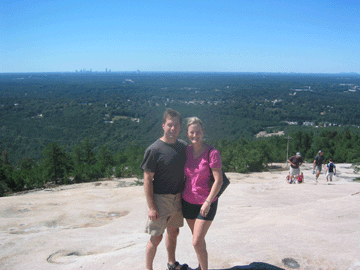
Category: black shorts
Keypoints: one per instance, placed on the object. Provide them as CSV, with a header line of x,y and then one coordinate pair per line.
x,y
192,211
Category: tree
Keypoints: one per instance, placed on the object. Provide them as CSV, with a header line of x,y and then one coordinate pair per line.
x,y
104,162
55,163
3,186
6,172
23,176
128,162
84,160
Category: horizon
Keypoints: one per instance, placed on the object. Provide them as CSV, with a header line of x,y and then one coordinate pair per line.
x,y
137,72
317,37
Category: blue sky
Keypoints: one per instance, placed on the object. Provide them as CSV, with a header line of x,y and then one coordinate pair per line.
x,y
190,36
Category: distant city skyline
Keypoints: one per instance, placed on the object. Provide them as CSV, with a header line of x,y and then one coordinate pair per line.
x,y
180,36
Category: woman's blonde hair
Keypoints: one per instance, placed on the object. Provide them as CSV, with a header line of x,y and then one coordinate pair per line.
x,y
194,120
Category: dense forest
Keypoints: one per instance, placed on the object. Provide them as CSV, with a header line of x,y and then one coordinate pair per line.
x,y
74,127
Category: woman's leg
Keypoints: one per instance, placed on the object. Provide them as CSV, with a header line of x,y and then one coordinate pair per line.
x,y
200,228
191,223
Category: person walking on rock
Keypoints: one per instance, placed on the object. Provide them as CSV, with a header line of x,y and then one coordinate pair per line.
x,y
317,164
330,170
295,163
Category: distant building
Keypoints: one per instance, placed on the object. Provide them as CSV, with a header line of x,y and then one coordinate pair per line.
x,y
291,123
265,134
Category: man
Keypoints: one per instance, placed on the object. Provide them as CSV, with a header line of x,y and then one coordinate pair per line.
x,y
295,163
317,164
163,166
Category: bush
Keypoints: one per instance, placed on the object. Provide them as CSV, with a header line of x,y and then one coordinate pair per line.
x,y
4,189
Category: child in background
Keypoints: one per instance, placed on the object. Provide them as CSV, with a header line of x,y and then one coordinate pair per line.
x,y
288,179
300,178
330,170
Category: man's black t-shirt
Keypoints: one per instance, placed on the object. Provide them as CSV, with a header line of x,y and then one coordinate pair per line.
x,y
296,161
167,162
319,160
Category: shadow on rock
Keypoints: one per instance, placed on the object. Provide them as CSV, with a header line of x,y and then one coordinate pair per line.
x,y
254,266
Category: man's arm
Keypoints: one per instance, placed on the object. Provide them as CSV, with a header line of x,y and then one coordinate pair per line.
x,y
149,194
291,163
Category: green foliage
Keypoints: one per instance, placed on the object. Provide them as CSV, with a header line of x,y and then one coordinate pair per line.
x,y
23,176
104,162
60,127
84,163
248,160
243,156
55,164
3,186
6,171
68,108
128,162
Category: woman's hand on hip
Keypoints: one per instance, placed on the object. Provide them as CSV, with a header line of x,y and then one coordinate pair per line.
x,y
205,208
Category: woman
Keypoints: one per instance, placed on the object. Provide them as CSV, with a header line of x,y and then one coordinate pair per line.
x,y
199,202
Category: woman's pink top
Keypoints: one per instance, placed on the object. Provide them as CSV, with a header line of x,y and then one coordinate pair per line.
x,y
197,173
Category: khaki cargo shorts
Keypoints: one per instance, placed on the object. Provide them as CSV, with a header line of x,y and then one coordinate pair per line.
x,y
170,214
294,171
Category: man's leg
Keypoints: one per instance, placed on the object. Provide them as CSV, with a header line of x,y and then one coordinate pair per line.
x,y
150,252
170,243
318,170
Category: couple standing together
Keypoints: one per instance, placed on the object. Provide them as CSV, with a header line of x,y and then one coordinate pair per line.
x,y
177,186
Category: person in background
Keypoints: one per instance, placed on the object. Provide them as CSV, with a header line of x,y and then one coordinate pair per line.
x,y
295,163
288,178
317,164
163,167
199,202
300,178
330,170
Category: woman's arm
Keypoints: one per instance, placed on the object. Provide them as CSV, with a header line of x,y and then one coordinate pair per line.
x,y
218,181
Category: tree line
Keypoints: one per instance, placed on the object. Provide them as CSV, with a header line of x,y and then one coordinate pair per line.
x,y
85,162
58,167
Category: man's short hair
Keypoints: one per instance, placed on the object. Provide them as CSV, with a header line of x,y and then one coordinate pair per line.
x,y
172,114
